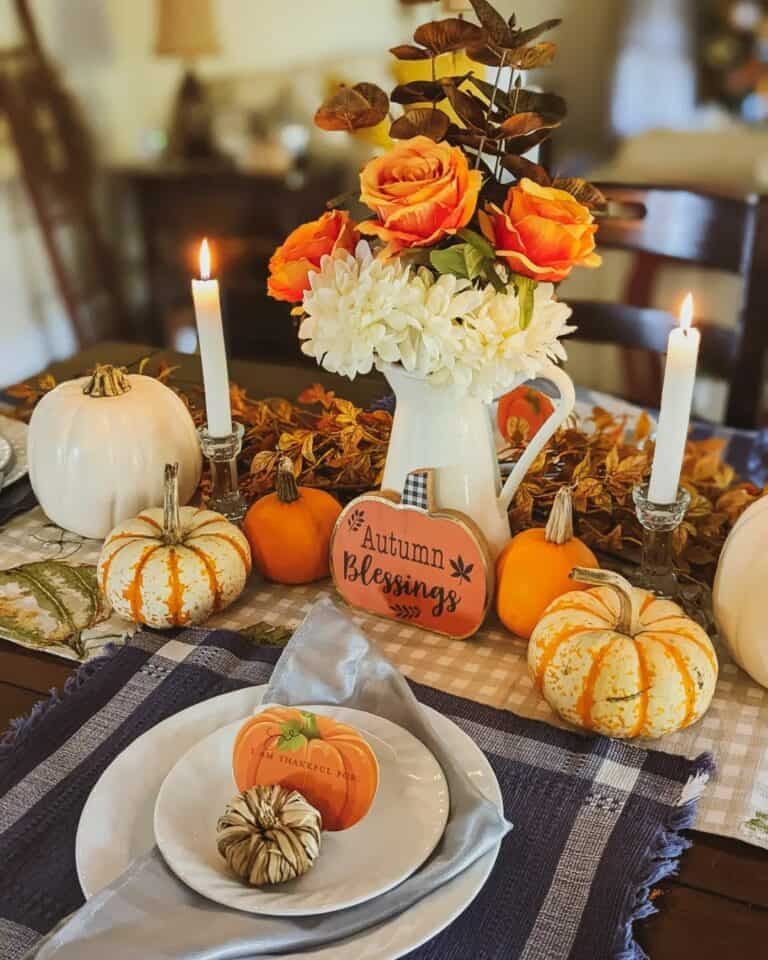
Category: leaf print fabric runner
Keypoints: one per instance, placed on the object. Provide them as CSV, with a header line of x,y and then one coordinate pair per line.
x,y
50,603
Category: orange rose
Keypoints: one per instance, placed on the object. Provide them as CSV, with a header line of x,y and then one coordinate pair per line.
x,y
300,255
421,191
542,232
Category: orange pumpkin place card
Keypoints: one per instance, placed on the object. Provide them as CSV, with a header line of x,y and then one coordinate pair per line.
x,y
404,559
328,762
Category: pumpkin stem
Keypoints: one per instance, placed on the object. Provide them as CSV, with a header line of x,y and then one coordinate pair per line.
x,y
559,528
171,516
285,484
107,381
628,613
309,725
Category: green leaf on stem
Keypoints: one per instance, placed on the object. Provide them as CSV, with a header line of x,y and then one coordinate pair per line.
x,y
525,287
474,260
451,260
478,242
493,278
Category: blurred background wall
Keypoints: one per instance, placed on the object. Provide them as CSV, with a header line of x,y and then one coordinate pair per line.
x,y
670,91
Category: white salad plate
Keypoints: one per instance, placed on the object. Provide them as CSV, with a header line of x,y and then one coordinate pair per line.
x,y
116,825
354,865
15,433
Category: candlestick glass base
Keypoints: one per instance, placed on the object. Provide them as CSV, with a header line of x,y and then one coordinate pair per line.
x,y
657,569
222,453
659,521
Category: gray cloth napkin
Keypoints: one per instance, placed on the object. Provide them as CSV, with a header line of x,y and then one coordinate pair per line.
x,y
148,912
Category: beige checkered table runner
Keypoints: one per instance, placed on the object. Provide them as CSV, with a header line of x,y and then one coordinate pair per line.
x,y
490,668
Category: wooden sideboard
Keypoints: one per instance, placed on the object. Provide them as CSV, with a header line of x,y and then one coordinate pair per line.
x,y
245,215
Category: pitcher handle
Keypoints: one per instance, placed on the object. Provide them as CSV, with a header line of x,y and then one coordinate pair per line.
x,y
563,407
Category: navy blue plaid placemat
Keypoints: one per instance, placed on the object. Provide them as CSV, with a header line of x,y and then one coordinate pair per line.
x,y
596,821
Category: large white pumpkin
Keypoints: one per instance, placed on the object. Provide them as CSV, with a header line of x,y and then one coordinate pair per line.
x,y
740,593
97,447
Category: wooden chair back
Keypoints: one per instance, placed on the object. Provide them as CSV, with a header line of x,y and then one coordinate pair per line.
x,y
58,170
713,232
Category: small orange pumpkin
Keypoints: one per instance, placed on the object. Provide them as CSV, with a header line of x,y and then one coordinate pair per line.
x,y
523,403
328,762
290,530
534,567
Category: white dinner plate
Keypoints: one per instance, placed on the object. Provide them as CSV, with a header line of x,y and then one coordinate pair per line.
x,y
354,865
116,824
15,432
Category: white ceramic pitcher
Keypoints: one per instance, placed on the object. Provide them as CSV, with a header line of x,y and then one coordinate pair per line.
x,y
438,427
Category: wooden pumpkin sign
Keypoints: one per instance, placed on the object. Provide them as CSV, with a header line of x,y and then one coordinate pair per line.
x,y
329,763
404,559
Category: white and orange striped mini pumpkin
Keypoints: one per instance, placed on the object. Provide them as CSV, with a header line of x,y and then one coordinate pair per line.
x,y
620,661
169,567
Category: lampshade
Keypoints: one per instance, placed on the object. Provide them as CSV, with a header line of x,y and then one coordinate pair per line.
x,y
185,28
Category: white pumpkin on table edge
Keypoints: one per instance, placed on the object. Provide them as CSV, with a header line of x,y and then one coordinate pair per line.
x,y
172,566
97,447
619,661
739,594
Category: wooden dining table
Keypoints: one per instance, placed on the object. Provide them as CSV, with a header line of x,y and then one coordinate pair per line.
x,y
715,909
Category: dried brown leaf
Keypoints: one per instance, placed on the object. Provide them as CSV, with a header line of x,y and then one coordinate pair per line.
x,y
522,167
353,108
642,427
448,36
583,191
421,121
317,394
530,58
470,109
523,37
407,51
418,91
487,55
499,32
582,468
521,124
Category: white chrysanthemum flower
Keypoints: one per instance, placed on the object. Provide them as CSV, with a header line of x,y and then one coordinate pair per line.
x,y
361,311
499,350
357,310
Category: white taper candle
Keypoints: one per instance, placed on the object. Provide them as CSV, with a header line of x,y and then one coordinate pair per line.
x,y
675,413
213,353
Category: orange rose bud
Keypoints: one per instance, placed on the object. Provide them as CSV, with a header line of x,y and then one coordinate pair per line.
x,y
421,191
542,232
300,255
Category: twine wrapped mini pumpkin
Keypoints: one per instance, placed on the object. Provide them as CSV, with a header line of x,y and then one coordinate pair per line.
x,y
269,835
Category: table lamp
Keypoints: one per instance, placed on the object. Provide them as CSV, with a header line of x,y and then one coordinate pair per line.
x,y
186,29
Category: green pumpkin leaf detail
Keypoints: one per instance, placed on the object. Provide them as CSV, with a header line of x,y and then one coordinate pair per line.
x,y
294,736
291,738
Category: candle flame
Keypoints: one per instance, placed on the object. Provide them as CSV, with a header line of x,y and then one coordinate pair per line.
x,y
686,313
205,260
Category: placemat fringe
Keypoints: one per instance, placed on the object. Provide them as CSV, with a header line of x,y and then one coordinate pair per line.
x,y
20,727
663,857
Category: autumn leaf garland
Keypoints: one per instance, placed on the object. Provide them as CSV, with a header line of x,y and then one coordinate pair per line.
x,y
338,446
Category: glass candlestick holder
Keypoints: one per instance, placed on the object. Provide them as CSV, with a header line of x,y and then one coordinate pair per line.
x,y
221,453
659,521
